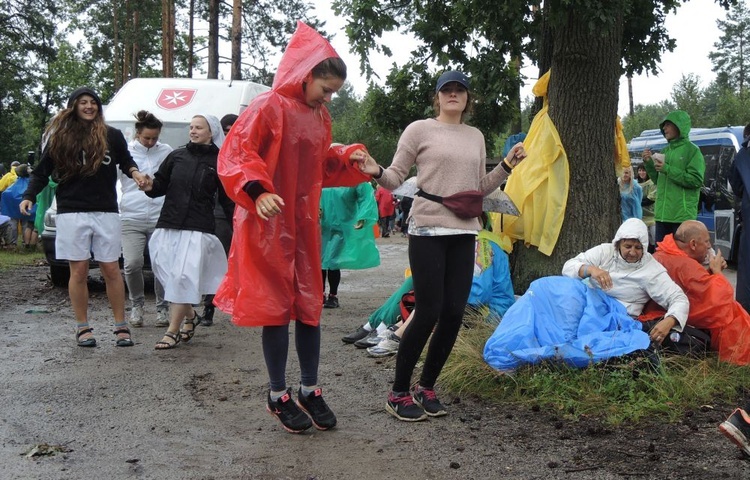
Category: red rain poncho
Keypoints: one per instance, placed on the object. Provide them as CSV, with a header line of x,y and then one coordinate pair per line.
x,y
712,304
274,270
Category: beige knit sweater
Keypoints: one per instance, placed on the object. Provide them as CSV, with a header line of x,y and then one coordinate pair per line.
x,y
450,158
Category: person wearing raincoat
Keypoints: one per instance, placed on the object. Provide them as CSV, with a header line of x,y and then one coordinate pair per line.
x,y
631,195
347,217
712,303
186,255
678,174
275,161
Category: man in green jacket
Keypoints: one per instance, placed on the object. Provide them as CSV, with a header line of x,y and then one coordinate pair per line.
x,y
678,173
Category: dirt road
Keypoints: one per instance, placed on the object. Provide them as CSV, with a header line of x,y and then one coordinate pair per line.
x,y
197,412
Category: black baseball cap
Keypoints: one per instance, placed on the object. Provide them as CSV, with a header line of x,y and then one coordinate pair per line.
x,y
452,76
84,91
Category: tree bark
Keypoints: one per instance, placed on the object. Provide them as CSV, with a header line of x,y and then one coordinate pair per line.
x,y
167,39
237,40
136,55
213,38
116,62
583,88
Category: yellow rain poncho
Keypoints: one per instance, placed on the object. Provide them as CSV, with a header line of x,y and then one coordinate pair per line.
x,y
539,185
622,157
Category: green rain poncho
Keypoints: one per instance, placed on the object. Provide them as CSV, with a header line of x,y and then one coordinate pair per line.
x,y
347,218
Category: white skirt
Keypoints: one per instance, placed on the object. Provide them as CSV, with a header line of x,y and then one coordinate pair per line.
x,y
188,263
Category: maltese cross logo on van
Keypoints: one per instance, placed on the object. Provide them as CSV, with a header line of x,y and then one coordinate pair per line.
x,y
173,98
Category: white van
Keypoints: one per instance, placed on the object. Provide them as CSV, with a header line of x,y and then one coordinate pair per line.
x,y
175,101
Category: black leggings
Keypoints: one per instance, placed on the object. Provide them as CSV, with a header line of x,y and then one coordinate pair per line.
x,y
442,268
276,349
334,279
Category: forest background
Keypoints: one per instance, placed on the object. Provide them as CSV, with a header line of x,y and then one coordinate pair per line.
x,y
48,48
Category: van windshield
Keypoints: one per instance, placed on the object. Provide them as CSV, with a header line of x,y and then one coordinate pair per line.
x,y
173,134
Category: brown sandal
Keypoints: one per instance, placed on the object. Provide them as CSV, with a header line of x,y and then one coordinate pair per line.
x,y
162,345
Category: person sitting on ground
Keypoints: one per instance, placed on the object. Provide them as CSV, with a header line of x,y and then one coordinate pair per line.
x,y
6,231
491,293
559,318
712,304
10,201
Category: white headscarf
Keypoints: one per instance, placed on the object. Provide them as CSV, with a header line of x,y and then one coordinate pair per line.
x,y
217,133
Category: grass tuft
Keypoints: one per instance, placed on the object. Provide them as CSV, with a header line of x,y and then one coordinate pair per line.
x,y
620,390
12,258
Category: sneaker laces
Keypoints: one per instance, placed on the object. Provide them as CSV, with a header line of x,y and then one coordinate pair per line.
x,y
404,400
316,403
428,393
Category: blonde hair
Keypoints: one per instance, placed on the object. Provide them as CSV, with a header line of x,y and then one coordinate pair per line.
x,y
70,137
626,188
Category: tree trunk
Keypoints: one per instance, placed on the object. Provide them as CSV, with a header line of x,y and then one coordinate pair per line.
x,y
136,56
116,62
213,38
126,36
583,93
191,38
237,40
167,39
631,110
515,126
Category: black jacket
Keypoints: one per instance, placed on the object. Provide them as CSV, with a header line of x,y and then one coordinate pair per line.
x,y
95,193
189,180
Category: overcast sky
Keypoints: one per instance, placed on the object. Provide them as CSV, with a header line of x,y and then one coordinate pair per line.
x,y
693,27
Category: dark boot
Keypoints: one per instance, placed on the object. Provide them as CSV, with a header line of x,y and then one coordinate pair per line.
x,y
208,315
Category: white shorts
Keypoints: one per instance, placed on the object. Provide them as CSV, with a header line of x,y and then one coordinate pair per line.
x,y
83,234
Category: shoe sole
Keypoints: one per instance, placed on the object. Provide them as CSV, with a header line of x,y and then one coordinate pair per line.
x,y
315,424
440,413
290,430
381,354
394,413
735,435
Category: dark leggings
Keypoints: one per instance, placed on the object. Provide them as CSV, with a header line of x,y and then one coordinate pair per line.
x,y
334,279
276,349
442,269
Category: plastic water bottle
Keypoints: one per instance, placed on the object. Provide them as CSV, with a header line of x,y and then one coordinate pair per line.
x,y
675,337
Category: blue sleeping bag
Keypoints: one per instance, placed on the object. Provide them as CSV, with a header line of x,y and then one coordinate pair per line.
x,y
562,319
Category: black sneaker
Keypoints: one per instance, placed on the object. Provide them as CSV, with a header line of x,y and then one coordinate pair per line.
x,y
331,302
314,405
426,398
372,339
291,417
404,408
737,429
358,335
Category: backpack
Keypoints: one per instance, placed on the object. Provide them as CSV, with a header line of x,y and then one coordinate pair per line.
x,y
692,341
406,304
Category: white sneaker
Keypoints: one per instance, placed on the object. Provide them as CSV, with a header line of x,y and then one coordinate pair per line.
x,y
162,318
136,316
388,346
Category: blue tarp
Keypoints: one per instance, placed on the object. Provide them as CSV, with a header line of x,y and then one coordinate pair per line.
x,y
562,319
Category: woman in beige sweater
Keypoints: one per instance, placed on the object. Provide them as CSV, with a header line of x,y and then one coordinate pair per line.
x,y
450,158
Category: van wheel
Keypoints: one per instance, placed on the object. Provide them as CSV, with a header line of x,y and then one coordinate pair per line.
x,y
59,275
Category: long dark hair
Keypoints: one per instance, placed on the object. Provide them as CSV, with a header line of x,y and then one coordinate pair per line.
x,y
330,67
70,137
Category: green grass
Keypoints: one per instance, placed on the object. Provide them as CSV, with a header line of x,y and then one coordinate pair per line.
x,y
617,391
11,258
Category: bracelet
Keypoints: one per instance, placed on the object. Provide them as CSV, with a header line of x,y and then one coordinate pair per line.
x,y
506,166
380,172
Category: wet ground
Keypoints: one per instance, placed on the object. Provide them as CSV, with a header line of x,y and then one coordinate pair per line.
x,y
197,412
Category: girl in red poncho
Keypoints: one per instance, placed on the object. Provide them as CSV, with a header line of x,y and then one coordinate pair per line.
x,y
273,164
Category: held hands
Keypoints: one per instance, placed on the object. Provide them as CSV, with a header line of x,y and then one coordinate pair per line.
x,y
25,207
268,205
144,181
366,163
515,155
661,329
